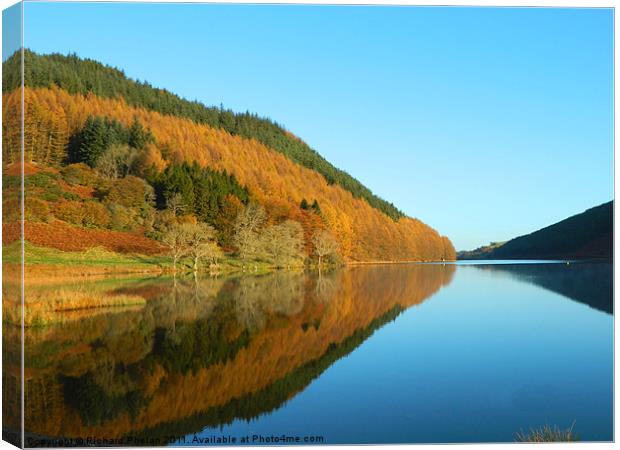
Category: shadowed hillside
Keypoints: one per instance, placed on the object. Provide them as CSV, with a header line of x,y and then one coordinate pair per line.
x,y
582,236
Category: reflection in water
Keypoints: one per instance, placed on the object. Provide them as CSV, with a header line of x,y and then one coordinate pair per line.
x,y
201,352
11,356
587,283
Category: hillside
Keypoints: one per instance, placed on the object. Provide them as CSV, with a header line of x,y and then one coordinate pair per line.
x,y
86,76
582,236
106,153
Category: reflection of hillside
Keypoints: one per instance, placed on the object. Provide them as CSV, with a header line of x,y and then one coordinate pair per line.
x,y
11,362
587,283
198,355
277,393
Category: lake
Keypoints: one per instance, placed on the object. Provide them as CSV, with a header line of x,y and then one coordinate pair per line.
x,y
410,353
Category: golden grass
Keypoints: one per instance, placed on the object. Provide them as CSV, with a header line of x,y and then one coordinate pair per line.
x,y
47,308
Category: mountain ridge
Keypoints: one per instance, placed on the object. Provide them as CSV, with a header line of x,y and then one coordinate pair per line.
x,y
585,235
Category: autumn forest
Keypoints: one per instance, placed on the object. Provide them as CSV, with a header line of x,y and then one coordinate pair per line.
x,y
137,170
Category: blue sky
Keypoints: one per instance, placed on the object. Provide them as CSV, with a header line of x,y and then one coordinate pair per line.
x,y
486,123
11,30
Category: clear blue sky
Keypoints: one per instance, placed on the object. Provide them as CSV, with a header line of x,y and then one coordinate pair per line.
x,y
486,123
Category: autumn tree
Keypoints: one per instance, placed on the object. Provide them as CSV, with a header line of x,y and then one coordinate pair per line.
x,y
211,252
200,242
79,173
175,237
11,128
95,215
162,221
131,192
325,244
175,204
247,227
116,161
226,217
44,137
283,243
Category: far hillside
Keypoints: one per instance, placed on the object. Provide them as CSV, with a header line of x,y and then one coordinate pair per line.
x,y
582,236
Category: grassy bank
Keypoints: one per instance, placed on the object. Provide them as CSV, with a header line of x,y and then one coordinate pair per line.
x,y
65,307
94,257
46,262
63,298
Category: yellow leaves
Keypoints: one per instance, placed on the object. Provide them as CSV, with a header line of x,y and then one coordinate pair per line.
x,y
151,157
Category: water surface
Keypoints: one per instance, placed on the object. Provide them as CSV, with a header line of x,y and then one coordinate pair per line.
x,y
401,353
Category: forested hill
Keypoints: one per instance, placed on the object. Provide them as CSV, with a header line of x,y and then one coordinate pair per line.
x,y
83,76
106,155
582,236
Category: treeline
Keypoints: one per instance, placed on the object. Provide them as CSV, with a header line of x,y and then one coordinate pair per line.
x,y
84,76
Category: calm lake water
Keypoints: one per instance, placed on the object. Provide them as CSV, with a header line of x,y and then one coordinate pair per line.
x,y
403,353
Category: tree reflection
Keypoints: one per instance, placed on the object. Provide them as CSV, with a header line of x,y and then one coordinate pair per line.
x,y
207,349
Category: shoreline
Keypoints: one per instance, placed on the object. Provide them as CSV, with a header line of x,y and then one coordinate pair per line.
x,y
46,262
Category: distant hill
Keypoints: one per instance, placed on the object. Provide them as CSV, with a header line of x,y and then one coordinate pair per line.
x,y
480,252
582,236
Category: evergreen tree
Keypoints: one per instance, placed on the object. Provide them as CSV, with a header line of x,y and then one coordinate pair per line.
x,y
138,136
92,141
100,133
203,191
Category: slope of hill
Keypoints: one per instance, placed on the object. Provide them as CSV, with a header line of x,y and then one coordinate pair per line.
x,y
71,140
480,252
582,236
86,76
